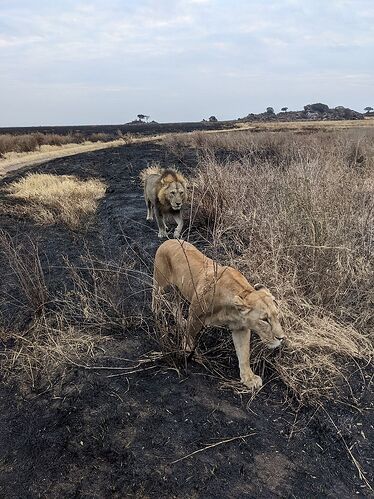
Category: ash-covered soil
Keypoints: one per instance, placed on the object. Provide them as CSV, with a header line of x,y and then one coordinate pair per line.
x,y
98,434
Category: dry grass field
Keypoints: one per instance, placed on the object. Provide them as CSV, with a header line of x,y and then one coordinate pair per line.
x,y
102,387
296,212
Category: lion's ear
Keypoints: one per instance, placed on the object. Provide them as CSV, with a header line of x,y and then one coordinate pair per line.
x,y
258,287
241,305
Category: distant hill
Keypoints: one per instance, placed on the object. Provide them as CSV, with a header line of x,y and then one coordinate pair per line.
x,y
312,112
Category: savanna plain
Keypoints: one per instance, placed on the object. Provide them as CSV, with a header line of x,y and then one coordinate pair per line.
x,y
97,397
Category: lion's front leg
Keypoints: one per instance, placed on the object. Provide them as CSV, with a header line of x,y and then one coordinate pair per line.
x,y
241,340
162,229
179,220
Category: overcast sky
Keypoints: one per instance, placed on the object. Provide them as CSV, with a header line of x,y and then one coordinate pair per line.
x,y
97,62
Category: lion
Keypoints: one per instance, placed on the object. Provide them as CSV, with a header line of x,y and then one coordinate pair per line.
x,y
165,192
218,296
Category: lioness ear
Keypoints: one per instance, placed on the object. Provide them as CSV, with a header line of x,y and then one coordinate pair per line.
x,y
261,286
239,303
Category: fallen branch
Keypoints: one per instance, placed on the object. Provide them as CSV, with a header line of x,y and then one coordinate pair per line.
x,y
214,445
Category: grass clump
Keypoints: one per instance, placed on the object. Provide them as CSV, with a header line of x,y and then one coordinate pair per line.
x,y
58,198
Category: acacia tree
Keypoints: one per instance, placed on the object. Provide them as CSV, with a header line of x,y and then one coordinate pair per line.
x,y
368,109
284,109
141,117
270,110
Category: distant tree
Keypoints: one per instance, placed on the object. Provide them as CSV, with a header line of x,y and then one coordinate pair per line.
x,y
213,118
284,109
270,110
368,109
318,107
141,117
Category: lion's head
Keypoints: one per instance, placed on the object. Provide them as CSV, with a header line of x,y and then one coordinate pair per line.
x,y
259,312
173,189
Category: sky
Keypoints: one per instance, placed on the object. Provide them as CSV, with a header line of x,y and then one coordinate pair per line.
x,y
65,62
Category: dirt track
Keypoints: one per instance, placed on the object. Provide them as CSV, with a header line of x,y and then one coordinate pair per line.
x,y
90,435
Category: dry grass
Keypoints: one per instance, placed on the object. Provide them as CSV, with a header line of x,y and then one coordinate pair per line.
x,y
58,198
46,350
24,262
297,213
34,141
65,328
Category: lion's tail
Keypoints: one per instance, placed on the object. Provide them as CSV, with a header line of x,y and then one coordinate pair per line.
x,y
151,170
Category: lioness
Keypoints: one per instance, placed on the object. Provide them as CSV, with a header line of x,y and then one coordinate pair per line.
x,y
218,296
165,191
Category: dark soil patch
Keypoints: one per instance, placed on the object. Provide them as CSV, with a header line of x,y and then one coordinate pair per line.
x,y
90,434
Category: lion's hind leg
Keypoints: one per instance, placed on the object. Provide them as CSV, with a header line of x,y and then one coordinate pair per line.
x,y
160,283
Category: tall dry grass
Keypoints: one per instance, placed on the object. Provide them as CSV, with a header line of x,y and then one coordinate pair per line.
x,y
297,213
68,326
58,198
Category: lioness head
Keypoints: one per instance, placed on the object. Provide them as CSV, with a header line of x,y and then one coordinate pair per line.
x,y
173,189
259,312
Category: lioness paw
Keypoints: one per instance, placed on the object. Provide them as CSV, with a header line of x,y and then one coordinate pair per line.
x,y
162,234
177,234
254,382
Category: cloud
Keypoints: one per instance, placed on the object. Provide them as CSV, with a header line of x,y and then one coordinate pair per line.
x,y
163,48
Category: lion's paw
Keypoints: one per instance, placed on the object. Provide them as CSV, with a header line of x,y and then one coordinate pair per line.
x,y
254,382
162,234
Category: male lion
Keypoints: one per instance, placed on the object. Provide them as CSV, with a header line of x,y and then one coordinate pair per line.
x,y
218,296
165,191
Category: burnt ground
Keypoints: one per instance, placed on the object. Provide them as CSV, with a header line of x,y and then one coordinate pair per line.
x,y
89,434
135,128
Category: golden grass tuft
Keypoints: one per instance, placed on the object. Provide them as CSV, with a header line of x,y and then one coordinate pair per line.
x,y
58,198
